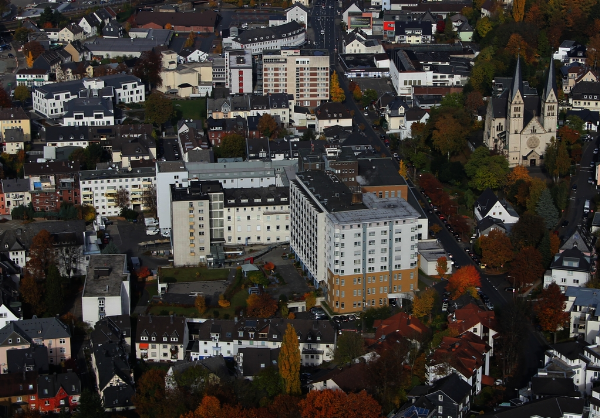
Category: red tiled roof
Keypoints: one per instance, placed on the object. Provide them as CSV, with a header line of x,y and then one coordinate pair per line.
x,y
487,380
465,318
465,353
406,325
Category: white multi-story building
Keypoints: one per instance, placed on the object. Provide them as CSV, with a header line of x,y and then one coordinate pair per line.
x,y
49,100
581,304
569,268
99,188
362,249
275,37
239,71
161,338
317,339
106,290
89,112
32,77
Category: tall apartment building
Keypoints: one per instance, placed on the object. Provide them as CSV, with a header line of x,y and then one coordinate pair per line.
x,y
301,72
361,248
238,71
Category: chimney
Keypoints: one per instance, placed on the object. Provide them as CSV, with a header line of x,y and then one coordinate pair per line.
x,y
150,318
356,198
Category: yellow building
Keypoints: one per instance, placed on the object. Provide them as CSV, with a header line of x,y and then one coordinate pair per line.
x,y
15,118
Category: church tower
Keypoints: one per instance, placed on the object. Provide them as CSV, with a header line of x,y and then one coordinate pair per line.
x,y
549,111
516,106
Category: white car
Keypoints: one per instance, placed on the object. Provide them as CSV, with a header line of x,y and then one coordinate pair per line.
x,y
153,231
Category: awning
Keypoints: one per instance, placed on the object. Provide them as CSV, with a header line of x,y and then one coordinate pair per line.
x,y
144,346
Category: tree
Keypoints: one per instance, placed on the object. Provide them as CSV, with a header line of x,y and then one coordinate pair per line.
x,y
483,26
536,187
518,10
31,291
528,231
335,403
289,361
513,331
550,309
423,303
261,306
200,304
568,134
310,298
496,249
435,228
441,266
474,101
336,92
554,243
149,398
464,279
368,97
269,381
517,173
350,345
486,170
388,376
191,39
149,199
267,126
526,268
41,254
159,109
285,406
22,93
34,48
4,98
232,146
546,209
449,135
148,68
357,93
54,295
21,35
122,199
90,405
111,248
402,169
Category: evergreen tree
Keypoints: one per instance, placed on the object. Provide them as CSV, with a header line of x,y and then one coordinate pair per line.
x,y
111,248
54,292
289,361
90,405
545,251
546,209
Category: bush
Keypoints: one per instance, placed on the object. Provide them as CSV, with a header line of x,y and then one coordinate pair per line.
x,y
216,313
170,280
226,316
224,303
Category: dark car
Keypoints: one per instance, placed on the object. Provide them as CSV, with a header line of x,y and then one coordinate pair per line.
x,y
574,187
510,289
565,223
11,56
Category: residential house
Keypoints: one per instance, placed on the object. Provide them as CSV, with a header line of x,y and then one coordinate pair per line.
x,y
50,332
79,52
298,13
559,407
7,315
17,391
430,251
488,204
112,329
15,118
33,358
577,54
57,392
394,114
32,77
52,183
13,141
563,50
239,73
412,115
450,396
576,360
413,32
358,42
215,366
590,118
471,318
569,268
15,192
251,361
194,145
114,377
71,71
332,114
582,240
582,304
467,355
291,34
358,142
161,338
574,74
70,33
218,128
106,291
489,224
349,379
317,339
139,41
198,22
89,24
585,95
90,112
51,60
406,325
113,30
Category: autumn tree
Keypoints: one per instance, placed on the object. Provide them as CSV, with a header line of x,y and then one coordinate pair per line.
x,y
486,170
22,93
554,243
122,199
464,279
31,291
526,268
90,405
158,109
33,48
496,249
4,100
149,398
261,306
41,254
402,169
200,304
592,52
310,298
387,377
22,35
449,135
550,309
289,361
149,199
232,146
528,231
423,302
285,406
191,39
536,187
518,10
357,93
54,295
268,126
441,266
148,68
474,101
435,228
335,403
336,92
517,173
350,345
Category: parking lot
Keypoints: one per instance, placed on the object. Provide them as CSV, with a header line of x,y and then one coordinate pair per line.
x,y
127,236
170,149
380,85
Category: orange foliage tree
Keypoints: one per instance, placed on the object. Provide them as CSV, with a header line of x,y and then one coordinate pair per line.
x,y
554,243
518,173
527,267
569,134
550,309
496,249
464,279
441,267
289,361
149,397
335,403
261,306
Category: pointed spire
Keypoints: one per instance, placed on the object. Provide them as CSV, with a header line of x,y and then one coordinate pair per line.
x,y
517,80
550,82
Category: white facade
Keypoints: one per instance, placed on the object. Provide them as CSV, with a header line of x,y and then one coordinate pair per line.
x,y
569,268
257,224
32,80
497,211
404,80
99,188
566,278
323,123
259,43
7,316
358,47
93,118
190,230
297,14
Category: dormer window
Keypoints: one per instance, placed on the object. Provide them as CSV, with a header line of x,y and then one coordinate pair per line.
x,y
144,338
274,336
153,338
174,339
165,338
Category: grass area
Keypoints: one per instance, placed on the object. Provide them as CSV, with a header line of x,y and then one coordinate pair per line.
x,y
152,289
190,109
193,274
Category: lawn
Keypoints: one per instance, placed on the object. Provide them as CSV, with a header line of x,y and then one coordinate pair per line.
x,y
152,289
193,274
190,109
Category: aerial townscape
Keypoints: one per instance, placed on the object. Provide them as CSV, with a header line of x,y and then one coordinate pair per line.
x,y
299,208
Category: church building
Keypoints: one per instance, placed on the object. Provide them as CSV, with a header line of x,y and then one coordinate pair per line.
x,y
519,123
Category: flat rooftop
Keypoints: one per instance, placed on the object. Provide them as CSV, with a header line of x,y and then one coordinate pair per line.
x,y
378,172
105,275
378,209
329,191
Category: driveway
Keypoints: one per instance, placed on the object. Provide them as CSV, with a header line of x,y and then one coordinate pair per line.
x,y
294,283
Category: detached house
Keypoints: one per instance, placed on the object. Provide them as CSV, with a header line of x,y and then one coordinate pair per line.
x,y
57,392
17,390
472,318
161,338
569,268
489,205
408,326
71,33
332,114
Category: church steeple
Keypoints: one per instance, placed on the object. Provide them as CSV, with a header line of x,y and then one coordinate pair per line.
x,y
549,111
550,82
517,86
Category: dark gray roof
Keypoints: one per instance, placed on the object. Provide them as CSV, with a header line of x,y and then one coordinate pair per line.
x,y
15,235
556,407
453,386
111,329
586,115
74,87
89,107
571,260
34,358
48,386
517,84
105,275
378,172
486,200
92,20
271,196
159,327
573,350
256,359
274,32
585,88
111,361
15,185
118,397
214,364
553,386
489,222
44,328
332,193
402,27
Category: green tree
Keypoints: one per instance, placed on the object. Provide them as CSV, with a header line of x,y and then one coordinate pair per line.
x,y
449,135
308,135
368,97
159,109
269,381
22,35
111,248
90,405
289,361
483,27
560,193
546,209
528,231
486,170
576,123
350,345
545,250
232,146
21,93
54,296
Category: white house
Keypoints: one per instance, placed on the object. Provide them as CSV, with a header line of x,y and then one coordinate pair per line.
x,y
413,115
582,304
356,42
161,338
430,251
489,205
297,13
7,316
32,77
89,24
317,339
89,112
577,360
569,268
332,114
106,290
71,33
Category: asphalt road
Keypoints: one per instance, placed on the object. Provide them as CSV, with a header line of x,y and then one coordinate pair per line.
x,y
323,23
